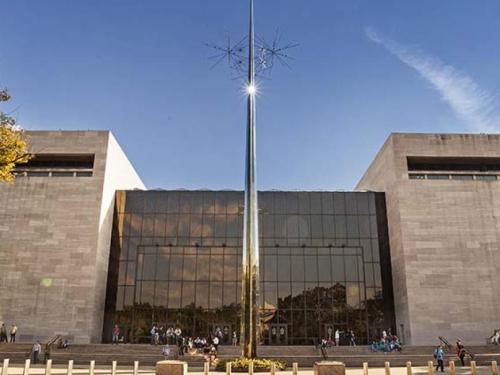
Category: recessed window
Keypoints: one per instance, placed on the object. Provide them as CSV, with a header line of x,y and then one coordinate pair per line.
x,y
37,174
462,177
486,177
417,176
63,174
83,174
438,176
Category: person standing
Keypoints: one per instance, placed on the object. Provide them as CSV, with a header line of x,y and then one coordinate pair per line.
x,y
235,338
13,333
116,334
3,333
337,337
439,355
37,348
461,352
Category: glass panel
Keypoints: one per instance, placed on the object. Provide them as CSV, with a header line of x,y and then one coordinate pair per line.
x,y
216,267
316,226
328,226
297,268
324,268
292,203
149,267
162,265
230,293
338,203
176,261
202,295
231,267
292,226
203,269
340,226
338,268
271,294
187,293
270,270
311,264
283,268
189,268
215,295
316,203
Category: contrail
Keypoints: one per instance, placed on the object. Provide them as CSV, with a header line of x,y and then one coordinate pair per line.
x,y
468,101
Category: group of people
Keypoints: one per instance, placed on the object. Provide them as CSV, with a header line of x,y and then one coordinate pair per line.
x,y
338,338
387,343
4,337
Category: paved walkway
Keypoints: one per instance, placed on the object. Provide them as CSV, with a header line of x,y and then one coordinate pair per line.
x,y
59,370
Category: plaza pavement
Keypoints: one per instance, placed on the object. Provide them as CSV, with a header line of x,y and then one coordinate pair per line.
x,y
104,370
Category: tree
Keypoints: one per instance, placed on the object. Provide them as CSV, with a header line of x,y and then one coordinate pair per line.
x,y
13,143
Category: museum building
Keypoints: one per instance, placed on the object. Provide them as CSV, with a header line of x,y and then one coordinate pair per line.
x,y
415,248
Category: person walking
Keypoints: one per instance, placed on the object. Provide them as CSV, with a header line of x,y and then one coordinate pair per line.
x,y
439,355
37,348
115,334
13,333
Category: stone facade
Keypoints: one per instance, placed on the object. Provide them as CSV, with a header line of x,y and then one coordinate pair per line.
x,y
55,239
444,239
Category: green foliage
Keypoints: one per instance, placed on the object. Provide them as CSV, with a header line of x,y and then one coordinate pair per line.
x,y
259,364
13,144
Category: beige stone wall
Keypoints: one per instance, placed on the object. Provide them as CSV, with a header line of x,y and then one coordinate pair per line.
x,y
52,270
444,237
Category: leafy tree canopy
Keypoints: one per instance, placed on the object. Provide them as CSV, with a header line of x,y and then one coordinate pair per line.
x,y
13,143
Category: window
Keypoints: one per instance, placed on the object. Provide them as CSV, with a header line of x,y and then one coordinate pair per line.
x,y
486,177
438,177
417,176
58,165
462,177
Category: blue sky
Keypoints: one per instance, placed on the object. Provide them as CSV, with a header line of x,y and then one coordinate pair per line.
x,y
364,69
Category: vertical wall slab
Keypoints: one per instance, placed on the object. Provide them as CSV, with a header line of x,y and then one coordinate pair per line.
x,y
54,239
444,219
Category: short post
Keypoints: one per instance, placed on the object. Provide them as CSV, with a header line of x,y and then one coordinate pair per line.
x,y
48,367
273,368
27,367
174,367
365,368
113,368
473,368
70,367
250,368
295,368
5,366
409,370
453,370
494,368
387,367
228,368
206,367
92,368
136,367
430,368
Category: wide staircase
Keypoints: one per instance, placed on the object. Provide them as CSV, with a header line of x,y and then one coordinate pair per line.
x,y
305,356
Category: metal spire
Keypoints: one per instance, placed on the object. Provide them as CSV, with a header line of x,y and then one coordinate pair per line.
x,y
250,324
259,60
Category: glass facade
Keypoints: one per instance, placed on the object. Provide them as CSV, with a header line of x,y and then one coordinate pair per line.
x,y
176,256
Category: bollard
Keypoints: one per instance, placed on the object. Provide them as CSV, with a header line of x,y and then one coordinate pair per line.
x,y
206,367
387,366
27,367
295,368
409,370
136,367
273,368
5,367
473,368
430,368
70,367
48,367
113,368
250,368
494,368
92,368
453,370
228,368
365,368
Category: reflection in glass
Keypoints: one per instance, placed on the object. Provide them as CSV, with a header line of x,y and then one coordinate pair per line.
x,y
187,250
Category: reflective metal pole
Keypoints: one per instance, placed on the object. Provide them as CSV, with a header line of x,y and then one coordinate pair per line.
x,y
250,324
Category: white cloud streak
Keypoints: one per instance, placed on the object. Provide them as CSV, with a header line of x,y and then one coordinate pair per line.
x,y
468,101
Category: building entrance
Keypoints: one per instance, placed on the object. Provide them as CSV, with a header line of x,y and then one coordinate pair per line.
x,y
278,334
223,331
